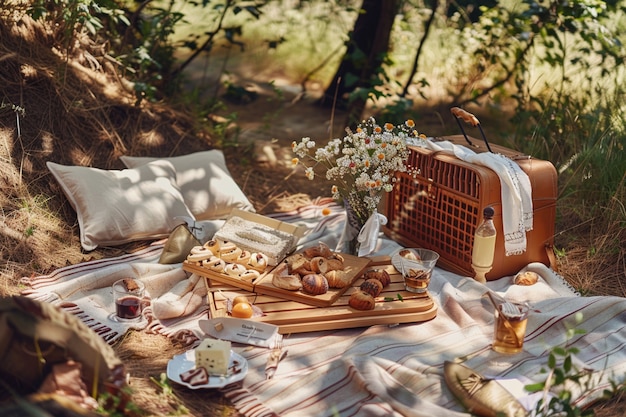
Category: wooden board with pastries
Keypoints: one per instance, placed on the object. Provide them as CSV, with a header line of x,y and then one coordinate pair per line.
x,y
393,306
351,266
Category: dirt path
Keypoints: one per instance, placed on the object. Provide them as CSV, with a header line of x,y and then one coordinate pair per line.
x,y
258,149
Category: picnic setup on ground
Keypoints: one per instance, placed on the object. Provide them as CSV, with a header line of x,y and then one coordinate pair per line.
x,y
425,285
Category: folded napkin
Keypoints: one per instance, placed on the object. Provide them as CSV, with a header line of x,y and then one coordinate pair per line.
x,y
515,189
368,236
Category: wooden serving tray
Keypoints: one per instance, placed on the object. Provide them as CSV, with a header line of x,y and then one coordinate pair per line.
x,y
353,265
296,317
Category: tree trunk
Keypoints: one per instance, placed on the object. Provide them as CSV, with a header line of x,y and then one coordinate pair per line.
x,y
366,49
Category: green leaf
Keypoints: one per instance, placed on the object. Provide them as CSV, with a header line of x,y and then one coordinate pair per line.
x,y
551,361
536,387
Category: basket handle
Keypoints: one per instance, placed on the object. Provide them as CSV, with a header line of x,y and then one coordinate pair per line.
x,y
470,119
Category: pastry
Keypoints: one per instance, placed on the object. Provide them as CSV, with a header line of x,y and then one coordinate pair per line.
x,y
314,284
338,278
337,256
335,264
258,261
234,270
408,254
379,274
214,246
250,275
287,282
230,255
372,286
361,300
526,278
215,264
281,278
199,254
319,265
130,284
321,249
198,250
244,258
298,262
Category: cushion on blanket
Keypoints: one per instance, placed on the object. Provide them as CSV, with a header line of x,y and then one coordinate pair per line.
x,y
207,186
120,206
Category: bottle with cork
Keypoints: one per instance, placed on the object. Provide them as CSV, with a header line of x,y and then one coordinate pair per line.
x,y
484,245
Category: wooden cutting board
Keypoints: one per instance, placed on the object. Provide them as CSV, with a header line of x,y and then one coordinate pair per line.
x,y
393,306
353,265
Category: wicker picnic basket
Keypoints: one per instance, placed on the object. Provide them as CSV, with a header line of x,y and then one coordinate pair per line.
x,y
440,207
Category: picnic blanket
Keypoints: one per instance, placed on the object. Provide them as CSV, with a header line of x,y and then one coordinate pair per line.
x,y
379,370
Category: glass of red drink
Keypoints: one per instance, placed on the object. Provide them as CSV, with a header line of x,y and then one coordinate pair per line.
x,y
128,294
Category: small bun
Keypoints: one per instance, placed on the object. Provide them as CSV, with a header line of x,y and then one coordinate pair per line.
x,y
526,278
361,300
258,261
231,255
372,286
199,254
250,275
235,270
213,246
321,249
244,258
215,264
379,274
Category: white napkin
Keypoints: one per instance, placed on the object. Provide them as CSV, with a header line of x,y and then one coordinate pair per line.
x,y
368,236
516,191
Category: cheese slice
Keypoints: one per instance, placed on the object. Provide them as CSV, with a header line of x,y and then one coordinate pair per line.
x,y
213,355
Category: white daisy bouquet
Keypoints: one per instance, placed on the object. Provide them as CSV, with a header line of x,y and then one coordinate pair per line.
x,y
362,164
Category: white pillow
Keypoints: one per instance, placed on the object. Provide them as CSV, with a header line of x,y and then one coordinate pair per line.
x,y
120,206
207,186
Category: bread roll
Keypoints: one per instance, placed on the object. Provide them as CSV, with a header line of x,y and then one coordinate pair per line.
x,y
526,278
361,300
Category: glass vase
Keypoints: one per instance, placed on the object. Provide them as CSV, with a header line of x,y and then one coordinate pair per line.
x,y
349,243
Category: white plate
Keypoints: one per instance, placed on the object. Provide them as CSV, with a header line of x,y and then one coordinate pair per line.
x,y
186,361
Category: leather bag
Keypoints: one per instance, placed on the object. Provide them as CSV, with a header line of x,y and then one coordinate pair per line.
x,y
179,243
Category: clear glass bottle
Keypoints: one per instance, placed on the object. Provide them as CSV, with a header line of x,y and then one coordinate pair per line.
x,y
484,245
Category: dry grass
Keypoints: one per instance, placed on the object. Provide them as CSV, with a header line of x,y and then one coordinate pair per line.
x,y
79,113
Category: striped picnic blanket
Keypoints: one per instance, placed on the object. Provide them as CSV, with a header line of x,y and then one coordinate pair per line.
x,y
379,370
398,370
